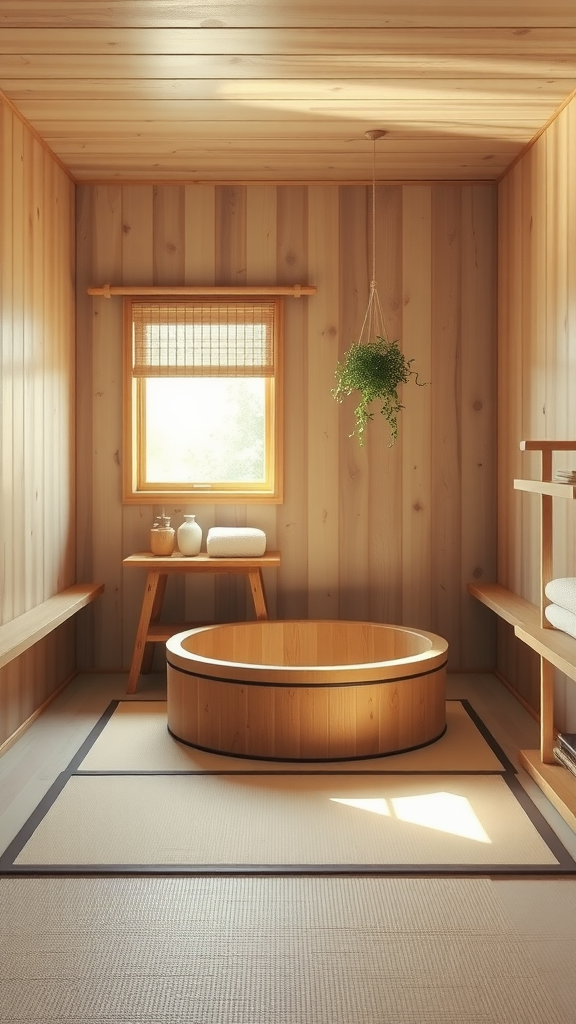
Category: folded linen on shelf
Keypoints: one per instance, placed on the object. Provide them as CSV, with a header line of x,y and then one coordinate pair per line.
x,y
235,542
562,592
561,618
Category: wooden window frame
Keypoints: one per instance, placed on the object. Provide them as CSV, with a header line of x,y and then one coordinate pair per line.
x,y
268,492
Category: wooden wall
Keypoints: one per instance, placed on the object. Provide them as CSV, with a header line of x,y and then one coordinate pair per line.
x,y
375,533
37,408
537,376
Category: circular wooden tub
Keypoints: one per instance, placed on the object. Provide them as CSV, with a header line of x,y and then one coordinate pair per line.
x,y
306,690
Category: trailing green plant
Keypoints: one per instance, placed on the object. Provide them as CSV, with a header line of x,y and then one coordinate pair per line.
x,y
374,369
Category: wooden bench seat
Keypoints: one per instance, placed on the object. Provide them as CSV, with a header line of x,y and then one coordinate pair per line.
x,y
26,629
557,647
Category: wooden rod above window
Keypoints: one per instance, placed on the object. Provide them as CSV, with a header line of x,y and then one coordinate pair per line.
x,y
294,290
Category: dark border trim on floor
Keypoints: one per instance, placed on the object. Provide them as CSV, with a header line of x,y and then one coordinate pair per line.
x,y
566,865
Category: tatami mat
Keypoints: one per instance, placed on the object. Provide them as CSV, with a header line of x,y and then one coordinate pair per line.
x,y
301,820
136,739
133,798
262,950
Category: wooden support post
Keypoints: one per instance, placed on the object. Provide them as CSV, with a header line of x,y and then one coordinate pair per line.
x,y
546,711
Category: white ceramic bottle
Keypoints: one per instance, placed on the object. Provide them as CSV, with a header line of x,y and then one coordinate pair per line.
x,y
189,536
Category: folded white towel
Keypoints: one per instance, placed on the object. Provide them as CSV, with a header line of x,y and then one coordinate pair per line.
x,y
561,619
562,592
235,542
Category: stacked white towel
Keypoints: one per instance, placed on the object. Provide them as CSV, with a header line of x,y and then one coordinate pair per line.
x,y
235,542
562,612
563,592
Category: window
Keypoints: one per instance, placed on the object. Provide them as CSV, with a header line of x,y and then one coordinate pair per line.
x,y
202,400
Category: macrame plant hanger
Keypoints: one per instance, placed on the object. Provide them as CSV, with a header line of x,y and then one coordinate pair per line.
x,y
373,325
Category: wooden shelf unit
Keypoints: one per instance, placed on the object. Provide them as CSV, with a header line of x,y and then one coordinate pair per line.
x,y
555,648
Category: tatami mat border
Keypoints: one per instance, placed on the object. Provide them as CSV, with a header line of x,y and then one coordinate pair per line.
x,y
566,865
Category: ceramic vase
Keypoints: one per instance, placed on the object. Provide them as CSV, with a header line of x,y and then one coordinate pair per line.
x,y
189,536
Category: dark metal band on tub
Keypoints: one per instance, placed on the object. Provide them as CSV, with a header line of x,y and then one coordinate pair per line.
x,y
290,686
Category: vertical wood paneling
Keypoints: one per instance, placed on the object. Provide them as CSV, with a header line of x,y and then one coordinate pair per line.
x,y
21,599
292,531
322,465
354,555
37,528
7,369
364,533
384,462
478,423
107,427
85,201
447,414
416,435
537,346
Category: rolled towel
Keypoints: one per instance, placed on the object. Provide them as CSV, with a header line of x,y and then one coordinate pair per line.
x,y
562,592
561,619
235,542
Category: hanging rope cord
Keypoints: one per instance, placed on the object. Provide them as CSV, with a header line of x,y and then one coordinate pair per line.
x,y
373,325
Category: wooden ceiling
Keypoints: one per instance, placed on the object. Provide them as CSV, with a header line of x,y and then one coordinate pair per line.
x,y
284,90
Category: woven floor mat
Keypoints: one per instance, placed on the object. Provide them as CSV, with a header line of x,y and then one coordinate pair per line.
x,y
136,739
425,812
262,950
293,821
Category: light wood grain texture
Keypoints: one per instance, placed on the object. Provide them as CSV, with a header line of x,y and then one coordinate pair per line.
x,y
25,630
555,781
235,688
292,522
37,370
446,370
384,464
417,440
159,569
555,490
160,79
537,217
339,533
355,218
478,408
106,237
238,13
553,644
322,465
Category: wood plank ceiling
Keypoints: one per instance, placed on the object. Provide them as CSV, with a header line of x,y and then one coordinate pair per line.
x,y
284,90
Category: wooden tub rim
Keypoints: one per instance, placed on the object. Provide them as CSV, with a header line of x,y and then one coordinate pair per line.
x,y
392,670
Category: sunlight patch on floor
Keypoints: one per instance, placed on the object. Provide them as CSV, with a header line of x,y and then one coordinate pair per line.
x,y
444,812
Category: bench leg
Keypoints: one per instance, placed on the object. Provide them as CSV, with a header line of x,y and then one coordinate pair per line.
x,y
148,606
258,595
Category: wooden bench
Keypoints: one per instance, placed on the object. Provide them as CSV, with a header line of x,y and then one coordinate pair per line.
x,y
558,648
26,629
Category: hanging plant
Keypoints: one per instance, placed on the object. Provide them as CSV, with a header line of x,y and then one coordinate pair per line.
x,y
373,366
374,369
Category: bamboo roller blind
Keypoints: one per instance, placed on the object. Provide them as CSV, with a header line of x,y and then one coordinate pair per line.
x,y
200,338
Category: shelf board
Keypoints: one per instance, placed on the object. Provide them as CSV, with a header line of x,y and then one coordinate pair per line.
x,y
552,644
551,487
556,782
